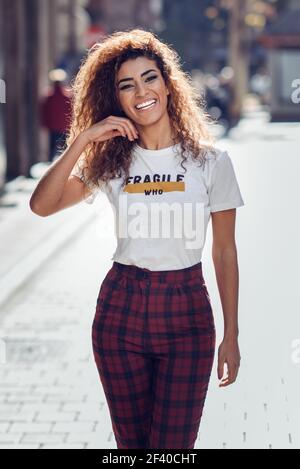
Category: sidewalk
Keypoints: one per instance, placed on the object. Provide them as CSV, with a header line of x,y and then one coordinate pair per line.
x,y
50,393
49,388
262,409
27,240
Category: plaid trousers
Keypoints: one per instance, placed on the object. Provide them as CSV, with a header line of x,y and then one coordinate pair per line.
x,y
153,338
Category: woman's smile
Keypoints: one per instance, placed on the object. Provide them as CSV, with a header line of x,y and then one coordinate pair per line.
x,y
150,105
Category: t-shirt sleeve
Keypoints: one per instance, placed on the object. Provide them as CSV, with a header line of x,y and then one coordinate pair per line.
x,y
77,171
224,192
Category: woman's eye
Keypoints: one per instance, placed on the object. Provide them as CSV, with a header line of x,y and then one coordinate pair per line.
x,y
148,79
151,78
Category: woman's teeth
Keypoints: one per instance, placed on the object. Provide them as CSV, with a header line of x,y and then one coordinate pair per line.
x,y
146,107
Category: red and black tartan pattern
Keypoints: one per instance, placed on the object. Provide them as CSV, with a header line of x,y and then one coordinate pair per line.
x,y
153,339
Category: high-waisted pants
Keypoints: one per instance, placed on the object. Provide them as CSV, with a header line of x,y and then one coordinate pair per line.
x,y
153,339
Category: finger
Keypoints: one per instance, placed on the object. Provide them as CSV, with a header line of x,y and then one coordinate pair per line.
x,y
125,125
132,126
122,129
115,133
221,364
226,382
108,135
113,123
111,126
232,375
236,373
231,371
223,384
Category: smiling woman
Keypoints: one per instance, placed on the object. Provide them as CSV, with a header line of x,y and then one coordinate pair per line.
x,y
120,78
137,124
144,99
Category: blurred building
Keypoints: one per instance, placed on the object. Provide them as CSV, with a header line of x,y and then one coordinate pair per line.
x,y
199,32
36,36
119,15
282,39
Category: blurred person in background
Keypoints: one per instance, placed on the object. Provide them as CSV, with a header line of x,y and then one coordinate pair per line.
x,y
219,95
56,108
225,77
260,84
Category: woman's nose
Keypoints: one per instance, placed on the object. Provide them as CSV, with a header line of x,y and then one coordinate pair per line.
x,y
140,90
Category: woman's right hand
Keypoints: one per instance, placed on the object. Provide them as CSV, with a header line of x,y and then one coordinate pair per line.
x,y
110,127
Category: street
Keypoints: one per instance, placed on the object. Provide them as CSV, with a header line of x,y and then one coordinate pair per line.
x,y
50,393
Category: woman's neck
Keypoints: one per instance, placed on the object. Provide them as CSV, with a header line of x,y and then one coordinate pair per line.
x,y
158,136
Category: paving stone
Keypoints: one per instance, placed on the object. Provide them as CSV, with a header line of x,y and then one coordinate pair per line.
x,y
19,446
63,446
32,427
56,417
74,427
22,417
43,438
10,438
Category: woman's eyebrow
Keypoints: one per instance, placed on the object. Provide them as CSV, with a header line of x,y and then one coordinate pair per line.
x,y
142,74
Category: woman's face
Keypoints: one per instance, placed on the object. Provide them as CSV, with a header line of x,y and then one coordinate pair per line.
x,y
138,81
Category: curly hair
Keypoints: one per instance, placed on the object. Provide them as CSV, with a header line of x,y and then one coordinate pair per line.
x,y
94,98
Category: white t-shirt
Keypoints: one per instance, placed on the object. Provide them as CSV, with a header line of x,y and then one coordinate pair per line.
x,y
162,213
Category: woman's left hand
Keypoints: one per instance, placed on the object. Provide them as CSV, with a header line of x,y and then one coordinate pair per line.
x,y
229,353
